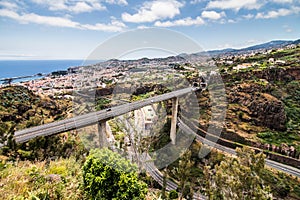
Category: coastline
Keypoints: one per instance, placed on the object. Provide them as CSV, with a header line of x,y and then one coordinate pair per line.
x,y
20,68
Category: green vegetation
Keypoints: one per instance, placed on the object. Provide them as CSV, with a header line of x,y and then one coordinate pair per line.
x,y
141,96
102,103
45,167
291,55
279,138
292,104
58,179
263,99
183,172
219,176
56,167
291,101
238,178
282,185
106,175
173,194
20,108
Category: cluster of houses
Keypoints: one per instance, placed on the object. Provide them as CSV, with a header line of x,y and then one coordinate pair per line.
x,y
231,60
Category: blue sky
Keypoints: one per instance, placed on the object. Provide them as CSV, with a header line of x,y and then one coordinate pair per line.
x,y
71,29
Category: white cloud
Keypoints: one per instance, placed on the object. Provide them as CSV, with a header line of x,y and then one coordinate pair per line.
x,y
234,4
143,27
212,15
118,2
282,1
9,5
181,22
81,7
38,19
249,16
154,10
78,6
278,13
197,1
113,26
72,6
274,14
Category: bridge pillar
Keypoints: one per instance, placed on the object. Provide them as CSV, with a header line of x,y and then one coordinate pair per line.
x,y
102,127
174,119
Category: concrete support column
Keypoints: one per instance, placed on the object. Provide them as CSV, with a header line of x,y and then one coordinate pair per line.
x,y
174,119
102,127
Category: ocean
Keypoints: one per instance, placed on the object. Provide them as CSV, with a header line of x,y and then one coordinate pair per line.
x,y
19,68
16,68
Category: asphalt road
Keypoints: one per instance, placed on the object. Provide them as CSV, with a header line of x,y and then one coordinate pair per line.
x,y
276,165
158,176
92,118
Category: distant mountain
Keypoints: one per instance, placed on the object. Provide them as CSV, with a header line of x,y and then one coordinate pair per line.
x,y
265,46
222,52
205,54
269,45
296,42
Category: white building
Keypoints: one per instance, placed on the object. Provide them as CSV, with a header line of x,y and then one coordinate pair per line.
x,y
144,119
242,66
149,116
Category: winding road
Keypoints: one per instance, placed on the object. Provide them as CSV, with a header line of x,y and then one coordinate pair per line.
x,y
94,117
276,165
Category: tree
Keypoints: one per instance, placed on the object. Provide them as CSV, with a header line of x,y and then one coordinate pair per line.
x,y
173,194
238,178
183,173
7,130
164,186
106,175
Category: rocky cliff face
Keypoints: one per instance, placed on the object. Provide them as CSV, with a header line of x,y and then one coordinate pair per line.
x,y
271,74
263,103
262,109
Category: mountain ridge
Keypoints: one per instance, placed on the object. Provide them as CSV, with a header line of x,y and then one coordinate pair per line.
x,y
211,53
264,46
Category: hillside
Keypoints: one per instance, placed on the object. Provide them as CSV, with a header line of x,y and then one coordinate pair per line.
x,y
263,93
20,109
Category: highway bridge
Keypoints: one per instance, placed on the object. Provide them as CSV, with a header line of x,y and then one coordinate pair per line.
x,y
104,115
92,118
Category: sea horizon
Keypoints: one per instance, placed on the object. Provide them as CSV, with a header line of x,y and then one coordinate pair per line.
x,y
20,68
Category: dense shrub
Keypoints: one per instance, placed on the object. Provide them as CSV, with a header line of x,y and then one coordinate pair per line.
x,y
106,175
173,194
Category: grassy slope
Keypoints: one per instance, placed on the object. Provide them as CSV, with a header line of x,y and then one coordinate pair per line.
x,y
59,179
